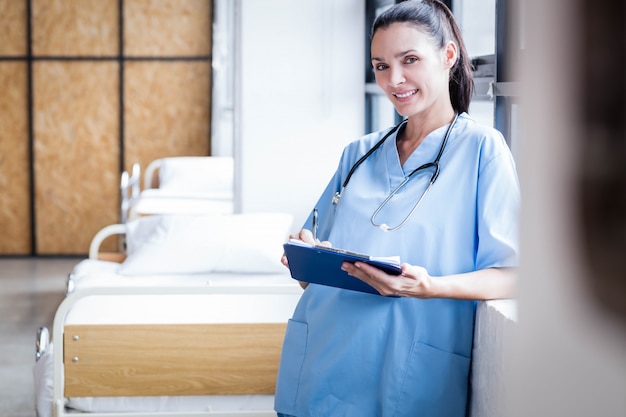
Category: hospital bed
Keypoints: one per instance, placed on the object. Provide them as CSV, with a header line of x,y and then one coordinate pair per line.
x,y
151,340
184,184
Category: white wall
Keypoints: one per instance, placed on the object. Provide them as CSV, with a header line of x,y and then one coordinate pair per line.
x,y
570,356
299,101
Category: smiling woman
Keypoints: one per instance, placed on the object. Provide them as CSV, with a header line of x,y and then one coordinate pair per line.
x,y
352,353
410,70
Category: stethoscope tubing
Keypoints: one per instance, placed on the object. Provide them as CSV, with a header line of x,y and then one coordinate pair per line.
x,y
435,164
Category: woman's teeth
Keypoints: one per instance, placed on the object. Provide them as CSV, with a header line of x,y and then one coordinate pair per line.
x,y
405,95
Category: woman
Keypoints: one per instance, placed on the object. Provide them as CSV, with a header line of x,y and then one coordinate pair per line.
x,y
348,353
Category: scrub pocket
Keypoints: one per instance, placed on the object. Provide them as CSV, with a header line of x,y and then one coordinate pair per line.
x,y
291,360
435,384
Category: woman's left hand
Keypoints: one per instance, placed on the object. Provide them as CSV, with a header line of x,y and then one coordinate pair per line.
x,y
414,281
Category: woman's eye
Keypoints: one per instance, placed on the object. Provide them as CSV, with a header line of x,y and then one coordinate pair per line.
x,y
380,67
410,60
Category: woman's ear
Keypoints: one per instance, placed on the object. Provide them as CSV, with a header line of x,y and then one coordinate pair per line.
x,y
450,54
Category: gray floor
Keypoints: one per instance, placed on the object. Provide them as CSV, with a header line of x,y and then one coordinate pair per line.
x,y
30,291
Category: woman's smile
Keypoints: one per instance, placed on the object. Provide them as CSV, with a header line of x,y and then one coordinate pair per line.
x,y
401,95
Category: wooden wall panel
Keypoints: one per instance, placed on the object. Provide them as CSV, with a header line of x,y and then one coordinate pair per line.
x,y
75,28
13,27
167,27
76,153
15,235
167,108
75,109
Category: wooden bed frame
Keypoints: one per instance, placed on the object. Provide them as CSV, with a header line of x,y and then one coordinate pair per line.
x,y
128,360
171,359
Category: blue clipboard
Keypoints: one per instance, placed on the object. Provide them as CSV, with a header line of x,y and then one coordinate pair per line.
x,y
321,265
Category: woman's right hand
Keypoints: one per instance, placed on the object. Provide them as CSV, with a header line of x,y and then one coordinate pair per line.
x,y
305,236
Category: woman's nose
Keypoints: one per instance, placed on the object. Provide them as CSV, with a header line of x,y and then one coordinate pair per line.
x,y
396,76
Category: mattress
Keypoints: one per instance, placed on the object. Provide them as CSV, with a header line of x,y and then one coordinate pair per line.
x,y
90,273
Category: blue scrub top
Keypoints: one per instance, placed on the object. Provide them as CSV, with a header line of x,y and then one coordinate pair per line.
x,y
354,354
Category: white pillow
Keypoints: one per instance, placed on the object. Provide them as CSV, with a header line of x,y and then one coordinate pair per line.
x,y
208,175
188,244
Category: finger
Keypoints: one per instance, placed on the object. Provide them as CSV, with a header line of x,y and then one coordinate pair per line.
x,y
371,275
306,236
303,235
410,271
361,270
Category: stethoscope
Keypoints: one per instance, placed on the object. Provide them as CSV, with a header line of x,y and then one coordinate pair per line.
x,y
434,164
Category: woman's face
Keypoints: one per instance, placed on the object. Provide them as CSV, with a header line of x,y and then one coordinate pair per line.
x,y
410,69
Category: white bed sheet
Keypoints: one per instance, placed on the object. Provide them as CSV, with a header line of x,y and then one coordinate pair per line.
x,y
167,309
215,195
175,204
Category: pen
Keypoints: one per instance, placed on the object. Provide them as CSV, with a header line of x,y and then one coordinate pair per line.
x,y
314,224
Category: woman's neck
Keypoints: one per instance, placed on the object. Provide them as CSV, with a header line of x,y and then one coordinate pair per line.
x,y
417,128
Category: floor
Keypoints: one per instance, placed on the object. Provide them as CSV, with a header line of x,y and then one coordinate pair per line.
x,y
30,291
